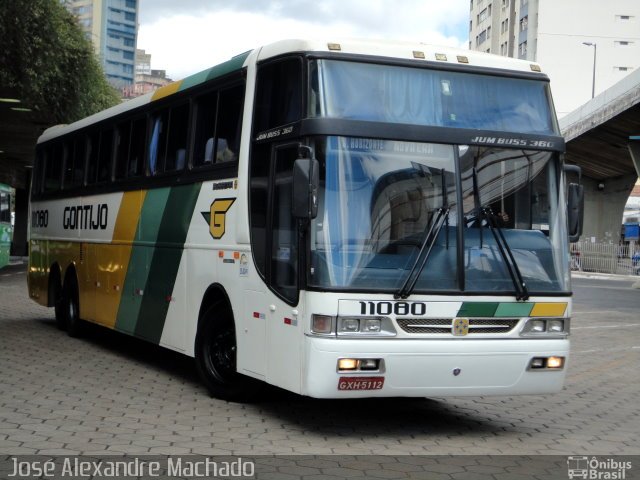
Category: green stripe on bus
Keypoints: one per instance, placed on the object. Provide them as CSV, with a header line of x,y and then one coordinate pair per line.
x,y
225,68
513,309
166,261
137,272
478,309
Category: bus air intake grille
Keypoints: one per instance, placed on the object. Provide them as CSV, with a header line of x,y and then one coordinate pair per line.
x,y
443,325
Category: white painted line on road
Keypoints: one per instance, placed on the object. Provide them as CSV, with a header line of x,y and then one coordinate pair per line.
x,y
588,351
636,348
624,325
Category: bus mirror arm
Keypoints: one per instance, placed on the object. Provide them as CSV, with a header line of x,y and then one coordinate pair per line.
x,y
306,175
575,204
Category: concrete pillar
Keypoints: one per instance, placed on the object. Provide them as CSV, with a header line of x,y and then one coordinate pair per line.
x,y
604,202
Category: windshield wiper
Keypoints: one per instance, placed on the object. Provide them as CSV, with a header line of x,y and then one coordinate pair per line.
x,y
485,213
522,292
428,241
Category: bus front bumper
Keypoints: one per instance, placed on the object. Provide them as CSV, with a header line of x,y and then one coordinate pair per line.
x,y
433,368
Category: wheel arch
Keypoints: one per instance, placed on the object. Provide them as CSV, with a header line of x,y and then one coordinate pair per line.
x,y
215,293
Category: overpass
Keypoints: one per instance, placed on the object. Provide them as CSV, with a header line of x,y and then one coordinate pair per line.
x,y
603,137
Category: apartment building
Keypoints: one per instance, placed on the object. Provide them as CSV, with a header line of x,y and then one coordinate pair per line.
x,y
585,46
112,26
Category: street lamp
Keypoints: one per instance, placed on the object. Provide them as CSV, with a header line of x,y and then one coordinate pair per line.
x,y
593,83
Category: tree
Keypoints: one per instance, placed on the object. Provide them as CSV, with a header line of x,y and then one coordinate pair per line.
x,y
46,58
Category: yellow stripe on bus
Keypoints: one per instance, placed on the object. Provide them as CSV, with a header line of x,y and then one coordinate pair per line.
x,y
548,310
114,258
166,90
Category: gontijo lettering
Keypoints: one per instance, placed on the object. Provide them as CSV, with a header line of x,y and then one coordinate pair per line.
x,y
86,217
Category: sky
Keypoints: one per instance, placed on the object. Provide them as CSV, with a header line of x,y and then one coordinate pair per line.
x,y
187,36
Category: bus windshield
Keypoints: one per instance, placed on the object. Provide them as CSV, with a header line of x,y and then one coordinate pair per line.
x,y
378,198
419,96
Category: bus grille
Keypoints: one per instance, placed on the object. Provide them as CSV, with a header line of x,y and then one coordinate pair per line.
x,y
443,325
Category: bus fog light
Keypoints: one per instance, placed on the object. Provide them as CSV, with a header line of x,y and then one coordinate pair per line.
x,y
369,364
555,362
321,324
556,326
371,325
347,364
350,325
537,362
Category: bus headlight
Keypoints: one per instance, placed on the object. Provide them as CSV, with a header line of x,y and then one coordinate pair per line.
x,y
367,326
549,327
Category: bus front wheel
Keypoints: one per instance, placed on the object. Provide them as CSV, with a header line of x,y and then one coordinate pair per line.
x,y
215,353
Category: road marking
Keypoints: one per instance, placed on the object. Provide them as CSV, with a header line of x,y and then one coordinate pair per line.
x,y
625,325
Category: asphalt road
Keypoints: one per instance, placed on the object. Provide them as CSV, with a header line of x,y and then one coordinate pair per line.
x,y
110,394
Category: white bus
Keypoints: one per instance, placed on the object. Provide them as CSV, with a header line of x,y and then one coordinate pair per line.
x,y
337,219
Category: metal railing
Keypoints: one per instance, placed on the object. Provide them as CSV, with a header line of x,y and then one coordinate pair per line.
x,y
623,259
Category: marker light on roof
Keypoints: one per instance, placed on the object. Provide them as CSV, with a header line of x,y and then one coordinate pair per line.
x,y
463,59
535,68
417,54
441,56
335,47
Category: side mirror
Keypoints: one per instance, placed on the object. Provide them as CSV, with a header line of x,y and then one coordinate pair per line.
x,y
306,177
575,205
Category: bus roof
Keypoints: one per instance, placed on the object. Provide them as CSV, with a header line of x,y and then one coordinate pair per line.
x,y
395,50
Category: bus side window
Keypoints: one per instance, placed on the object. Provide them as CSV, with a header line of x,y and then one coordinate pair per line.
x,y
106,155
79,160
74,166
177,141
93,148
158,141
136,151
123,137
229,124
53,168
203,151
279,96
5,207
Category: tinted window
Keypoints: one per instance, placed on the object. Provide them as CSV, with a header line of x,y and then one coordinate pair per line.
x,y
53,167
218,126
123,139
136,152
5,207
177,141
158,141
106,155
279,94
93,148
206,108
229,124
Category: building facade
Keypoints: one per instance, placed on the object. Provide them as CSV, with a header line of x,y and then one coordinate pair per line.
x,y
585,46
112,27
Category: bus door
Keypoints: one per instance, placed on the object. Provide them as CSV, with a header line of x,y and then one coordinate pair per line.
x,y
284,332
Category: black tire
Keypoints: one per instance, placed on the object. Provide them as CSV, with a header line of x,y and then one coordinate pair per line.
x,y
215,354
71,307
55,290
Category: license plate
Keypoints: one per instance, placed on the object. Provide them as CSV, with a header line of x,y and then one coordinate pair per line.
x,y
360,383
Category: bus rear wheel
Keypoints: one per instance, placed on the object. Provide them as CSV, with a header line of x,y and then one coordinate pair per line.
x,y
70,306
215,354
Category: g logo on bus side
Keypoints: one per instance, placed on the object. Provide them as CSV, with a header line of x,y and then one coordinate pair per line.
x,y
216,217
